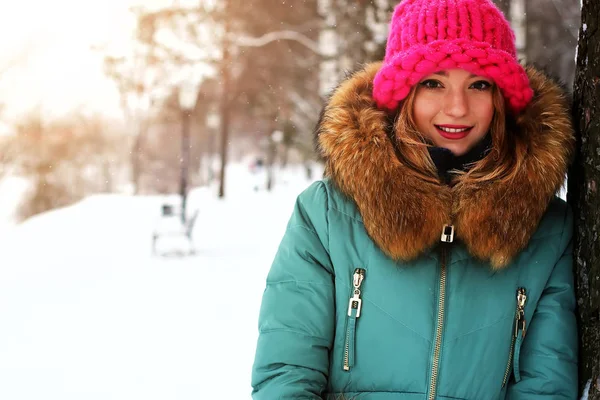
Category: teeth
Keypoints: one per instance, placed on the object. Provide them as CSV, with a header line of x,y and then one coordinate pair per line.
x,y
452,130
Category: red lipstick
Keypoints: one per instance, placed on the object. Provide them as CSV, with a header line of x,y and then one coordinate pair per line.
x,y
463,132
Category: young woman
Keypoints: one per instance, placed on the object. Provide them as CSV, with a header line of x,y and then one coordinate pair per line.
x,y
434,260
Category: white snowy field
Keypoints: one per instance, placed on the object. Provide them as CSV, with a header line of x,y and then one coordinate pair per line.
x,y
86,312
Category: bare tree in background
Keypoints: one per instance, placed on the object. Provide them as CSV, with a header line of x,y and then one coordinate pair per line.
x,y
7,151
225,66
7,156
504,5
267,59
584,195
278,83
64,160
354,33
138,78
552,27
100,149
162,147
192,35
549,35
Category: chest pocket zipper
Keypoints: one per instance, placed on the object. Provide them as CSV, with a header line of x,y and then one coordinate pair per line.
x,y
354,308
520,325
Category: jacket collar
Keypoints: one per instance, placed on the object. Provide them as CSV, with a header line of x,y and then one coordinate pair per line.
x,y
445,161
405,215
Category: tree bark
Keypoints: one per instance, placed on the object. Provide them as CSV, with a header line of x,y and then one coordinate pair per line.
x,y
584,196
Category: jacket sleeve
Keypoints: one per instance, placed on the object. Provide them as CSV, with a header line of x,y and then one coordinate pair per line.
x,y
548,361
297,316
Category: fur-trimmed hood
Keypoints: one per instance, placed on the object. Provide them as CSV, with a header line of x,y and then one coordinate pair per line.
x,y
405,215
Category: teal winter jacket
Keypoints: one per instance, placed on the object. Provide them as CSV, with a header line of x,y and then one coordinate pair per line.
x,y
390,286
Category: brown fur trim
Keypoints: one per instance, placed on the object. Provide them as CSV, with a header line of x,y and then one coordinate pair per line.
x,y
404,214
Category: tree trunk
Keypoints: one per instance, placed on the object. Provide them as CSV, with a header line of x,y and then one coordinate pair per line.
x,y
109,186
518,20
271,151
504,5
184,162
136,162
584,195
224,106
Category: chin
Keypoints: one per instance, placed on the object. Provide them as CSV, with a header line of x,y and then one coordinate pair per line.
x,y
459,152
456,150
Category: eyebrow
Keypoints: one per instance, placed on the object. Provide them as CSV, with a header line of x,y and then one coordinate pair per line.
x,y
444,73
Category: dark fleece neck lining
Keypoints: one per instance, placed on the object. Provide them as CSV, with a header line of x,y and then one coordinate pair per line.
x,y
445,161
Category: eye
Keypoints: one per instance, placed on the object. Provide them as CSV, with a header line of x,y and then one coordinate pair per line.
x,y
431,84
481,85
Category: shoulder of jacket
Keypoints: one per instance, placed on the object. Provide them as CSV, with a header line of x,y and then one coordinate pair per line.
x,y
336,200
316,191
557,220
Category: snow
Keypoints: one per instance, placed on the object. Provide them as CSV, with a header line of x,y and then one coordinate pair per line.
x,y
586,390
88,313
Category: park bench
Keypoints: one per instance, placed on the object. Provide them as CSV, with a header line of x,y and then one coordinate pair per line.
x,y
172,236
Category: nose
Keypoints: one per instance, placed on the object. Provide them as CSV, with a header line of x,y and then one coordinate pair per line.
x,y
456,104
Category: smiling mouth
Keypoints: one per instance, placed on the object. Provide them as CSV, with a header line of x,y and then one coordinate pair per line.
x,y
453,132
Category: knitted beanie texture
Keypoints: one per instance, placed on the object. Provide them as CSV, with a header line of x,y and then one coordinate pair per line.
x,y
428,36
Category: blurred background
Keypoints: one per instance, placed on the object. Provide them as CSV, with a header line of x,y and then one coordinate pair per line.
x,y
150,155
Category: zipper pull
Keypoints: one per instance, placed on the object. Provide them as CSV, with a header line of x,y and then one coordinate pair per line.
x,y
448,233
520,316
355,301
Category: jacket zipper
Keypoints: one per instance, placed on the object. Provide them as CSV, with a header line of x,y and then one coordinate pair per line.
x,y
447,238
517,338
354,308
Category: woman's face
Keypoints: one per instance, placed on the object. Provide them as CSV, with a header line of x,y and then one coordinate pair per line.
x,y
454,109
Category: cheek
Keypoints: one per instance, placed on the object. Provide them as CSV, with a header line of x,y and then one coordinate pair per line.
x,y
422,113
485,112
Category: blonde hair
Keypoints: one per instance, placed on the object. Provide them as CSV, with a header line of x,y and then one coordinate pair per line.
x,y
499,163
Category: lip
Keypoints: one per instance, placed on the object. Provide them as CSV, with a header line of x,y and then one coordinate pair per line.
x,y
455,126
454,136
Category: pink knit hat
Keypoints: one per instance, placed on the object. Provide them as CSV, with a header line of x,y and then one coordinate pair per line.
x,y
427,36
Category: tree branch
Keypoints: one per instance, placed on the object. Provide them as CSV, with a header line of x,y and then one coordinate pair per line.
x,y
270,37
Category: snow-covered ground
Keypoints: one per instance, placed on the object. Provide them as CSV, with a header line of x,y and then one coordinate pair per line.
x,y
86,312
